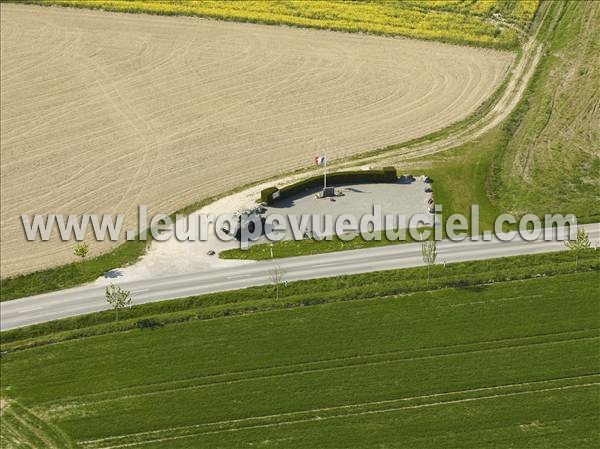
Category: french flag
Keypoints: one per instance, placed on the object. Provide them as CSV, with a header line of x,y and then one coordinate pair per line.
x,y
320,160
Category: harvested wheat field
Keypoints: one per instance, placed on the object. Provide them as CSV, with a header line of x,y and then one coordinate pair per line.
x,y
101,112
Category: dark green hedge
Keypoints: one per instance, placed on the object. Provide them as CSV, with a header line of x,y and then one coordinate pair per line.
x,y
387,174
266,195
390,174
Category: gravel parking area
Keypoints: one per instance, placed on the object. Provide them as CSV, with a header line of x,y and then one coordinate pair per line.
x,y
358,200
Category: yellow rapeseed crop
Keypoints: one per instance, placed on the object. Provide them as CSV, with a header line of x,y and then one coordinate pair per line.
x,y
487,23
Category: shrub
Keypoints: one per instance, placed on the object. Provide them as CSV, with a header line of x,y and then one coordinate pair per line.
x,y
266,195
390,174
148,323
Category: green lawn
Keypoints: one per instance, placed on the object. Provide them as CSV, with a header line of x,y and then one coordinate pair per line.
x,y
508,364
292,248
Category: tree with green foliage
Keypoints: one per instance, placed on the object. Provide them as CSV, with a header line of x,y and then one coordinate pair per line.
x,y
429,253
81,250
580,243
117,298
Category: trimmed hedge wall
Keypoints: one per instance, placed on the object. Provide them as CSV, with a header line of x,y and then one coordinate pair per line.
x,y
266,195
387,174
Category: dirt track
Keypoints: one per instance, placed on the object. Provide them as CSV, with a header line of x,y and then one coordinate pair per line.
x,y
101,112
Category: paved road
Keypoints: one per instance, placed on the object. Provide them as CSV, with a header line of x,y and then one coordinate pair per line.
x,y
81,300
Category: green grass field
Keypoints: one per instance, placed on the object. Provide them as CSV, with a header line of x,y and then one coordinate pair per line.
x,y
508,364
551,159
558,138
545,157
487,23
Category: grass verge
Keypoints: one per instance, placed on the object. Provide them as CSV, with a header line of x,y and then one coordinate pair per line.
x,y
73,274
463,275
293,248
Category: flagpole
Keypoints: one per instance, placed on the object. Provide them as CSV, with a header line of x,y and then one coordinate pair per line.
x,y
325,173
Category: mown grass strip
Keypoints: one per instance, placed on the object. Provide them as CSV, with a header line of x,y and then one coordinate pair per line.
x,y
292,248
71,275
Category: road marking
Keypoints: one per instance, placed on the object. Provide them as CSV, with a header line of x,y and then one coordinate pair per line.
x,y
325,264
30,309
236,276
